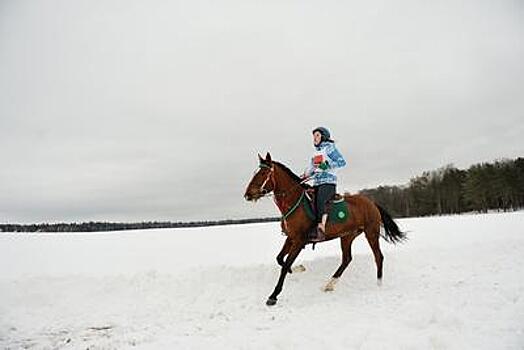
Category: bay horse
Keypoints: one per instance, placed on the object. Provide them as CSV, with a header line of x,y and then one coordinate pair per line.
x,y
289,191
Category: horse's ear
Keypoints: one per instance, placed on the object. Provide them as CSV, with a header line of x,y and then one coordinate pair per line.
x,y
268,157
260,159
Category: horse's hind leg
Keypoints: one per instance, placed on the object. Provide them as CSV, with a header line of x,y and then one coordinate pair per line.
x,y
345,244
373,235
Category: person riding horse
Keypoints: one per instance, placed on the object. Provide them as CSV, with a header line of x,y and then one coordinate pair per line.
x,y
321,169
288,190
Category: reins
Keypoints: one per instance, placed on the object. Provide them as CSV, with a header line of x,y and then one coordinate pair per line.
x,y
284,193
280,193
294,207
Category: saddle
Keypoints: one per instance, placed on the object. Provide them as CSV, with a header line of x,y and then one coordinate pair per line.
x,y
337,209
310,194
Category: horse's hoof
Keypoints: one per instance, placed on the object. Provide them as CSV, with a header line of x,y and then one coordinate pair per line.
x,y
271,302
330,287
299,268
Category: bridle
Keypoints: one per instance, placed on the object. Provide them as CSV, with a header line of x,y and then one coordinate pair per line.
x,y
271,176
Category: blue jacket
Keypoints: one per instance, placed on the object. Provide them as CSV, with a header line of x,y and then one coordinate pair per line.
x,y
322,166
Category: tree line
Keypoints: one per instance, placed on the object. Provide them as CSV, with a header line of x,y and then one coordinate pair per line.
x,y
486,186
118,226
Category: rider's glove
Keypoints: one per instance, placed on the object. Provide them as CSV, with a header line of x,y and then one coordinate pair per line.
x,y
324,166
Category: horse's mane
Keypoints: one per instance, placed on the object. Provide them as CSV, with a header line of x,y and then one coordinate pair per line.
x,y
292,174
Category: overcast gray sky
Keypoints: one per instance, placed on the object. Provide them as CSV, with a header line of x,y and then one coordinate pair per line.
x,y
155,110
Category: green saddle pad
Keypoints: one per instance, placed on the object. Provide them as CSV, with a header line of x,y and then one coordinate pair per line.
x,y
339,211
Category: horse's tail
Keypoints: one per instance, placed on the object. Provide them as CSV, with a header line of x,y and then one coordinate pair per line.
x,y
392,232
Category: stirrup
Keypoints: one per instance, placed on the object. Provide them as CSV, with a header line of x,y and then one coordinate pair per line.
x,y
321,234
318,237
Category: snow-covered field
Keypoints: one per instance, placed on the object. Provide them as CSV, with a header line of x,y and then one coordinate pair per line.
x,y
458,283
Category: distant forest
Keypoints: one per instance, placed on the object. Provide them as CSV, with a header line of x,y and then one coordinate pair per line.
x,y
448,190
118,226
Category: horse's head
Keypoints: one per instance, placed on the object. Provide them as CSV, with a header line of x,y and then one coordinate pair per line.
x,y
263,181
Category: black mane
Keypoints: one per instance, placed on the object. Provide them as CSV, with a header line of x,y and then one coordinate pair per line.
x,y
292,174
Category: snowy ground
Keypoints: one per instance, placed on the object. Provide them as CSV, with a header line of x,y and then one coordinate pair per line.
x,y
458,283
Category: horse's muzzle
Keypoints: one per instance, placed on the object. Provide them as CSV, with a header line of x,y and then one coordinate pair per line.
x,y
252,196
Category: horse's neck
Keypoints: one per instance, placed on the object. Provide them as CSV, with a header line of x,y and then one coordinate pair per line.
x,y
287,190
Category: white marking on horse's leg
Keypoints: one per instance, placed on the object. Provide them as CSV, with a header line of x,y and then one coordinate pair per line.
x,y
330,286
299,268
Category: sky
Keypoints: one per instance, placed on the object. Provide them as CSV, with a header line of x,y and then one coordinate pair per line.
x,y
126,110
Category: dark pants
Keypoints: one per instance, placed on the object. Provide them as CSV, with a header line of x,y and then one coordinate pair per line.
x,y
323,193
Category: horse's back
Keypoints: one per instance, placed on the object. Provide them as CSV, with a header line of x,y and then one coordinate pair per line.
x,y
357,199
362,208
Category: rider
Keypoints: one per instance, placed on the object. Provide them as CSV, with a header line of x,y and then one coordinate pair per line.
x,y
321,169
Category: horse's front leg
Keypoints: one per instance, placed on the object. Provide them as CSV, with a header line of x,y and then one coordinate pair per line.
x,y
293,253
283,252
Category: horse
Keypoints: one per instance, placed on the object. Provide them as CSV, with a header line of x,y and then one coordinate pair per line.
x,y
289,191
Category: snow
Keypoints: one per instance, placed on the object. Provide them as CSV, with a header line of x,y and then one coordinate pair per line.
x,y
456,284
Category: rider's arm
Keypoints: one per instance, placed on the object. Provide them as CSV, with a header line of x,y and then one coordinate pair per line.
x,y
311,169
334,158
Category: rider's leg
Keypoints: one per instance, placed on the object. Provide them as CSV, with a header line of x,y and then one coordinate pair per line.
x,y
322,223
324,194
